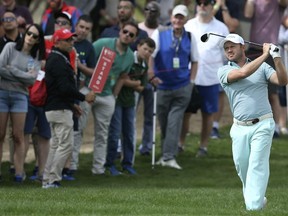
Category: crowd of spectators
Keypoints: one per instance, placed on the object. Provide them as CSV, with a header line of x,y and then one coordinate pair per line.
x,y
176,61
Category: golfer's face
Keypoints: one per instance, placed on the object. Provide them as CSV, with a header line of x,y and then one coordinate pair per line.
x,y
233,51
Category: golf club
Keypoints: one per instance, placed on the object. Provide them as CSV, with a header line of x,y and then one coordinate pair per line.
x,y
205,37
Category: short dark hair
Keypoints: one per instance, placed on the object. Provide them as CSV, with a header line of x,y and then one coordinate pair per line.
x,y
85,18
131,23
132,2
149,41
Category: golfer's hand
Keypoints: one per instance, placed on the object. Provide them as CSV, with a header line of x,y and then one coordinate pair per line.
x,y
274,51
266,48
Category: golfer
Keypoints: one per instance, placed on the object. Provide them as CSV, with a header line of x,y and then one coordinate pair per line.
x,y
245,83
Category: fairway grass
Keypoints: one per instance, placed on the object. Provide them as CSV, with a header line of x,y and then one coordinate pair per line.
x,y
205,186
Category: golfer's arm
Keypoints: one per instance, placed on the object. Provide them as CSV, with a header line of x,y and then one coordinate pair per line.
x,y
280,77
247,69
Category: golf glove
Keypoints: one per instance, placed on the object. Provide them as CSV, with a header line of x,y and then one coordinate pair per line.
x,y
274,51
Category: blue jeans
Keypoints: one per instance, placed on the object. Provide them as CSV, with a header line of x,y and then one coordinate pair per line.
x,y
122,123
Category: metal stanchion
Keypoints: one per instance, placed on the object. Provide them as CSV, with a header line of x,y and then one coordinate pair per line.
x,y
154,125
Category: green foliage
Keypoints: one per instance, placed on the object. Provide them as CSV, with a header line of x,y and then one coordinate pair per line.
x,y
205,186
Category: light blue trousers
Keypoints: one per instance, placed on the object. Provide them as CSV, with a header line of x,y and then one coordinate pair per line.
x,y
251,151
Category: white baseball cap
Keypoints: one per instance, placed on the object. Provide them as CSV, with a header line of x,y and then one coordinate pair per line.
x,y
180,9
234,38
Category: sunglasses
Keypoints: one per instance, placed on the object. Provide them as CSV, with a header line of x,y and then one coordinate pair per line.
x,y
131,35
8,19
35,36
205,3
62,23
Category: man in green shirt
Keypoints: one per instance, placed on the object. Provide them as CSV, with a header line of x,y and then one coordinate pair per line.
x,y
104,105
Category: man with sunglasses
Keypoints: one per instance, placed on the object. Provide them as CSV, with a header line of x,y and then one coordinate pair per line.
x,y
22,14
211,57
125,12
62,20
10,27
104,105
56,6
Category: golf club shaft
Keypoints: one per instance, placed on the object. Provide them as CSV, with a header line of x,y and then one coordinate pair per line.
x,y
248,42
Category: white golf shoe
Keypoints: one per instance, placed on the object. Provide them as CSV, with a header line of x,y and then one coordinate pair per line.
x,y
264,202
171,163
159,162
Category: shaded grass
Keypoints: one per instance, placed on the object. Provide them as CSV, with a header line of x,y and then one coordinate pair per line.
x,y
206,186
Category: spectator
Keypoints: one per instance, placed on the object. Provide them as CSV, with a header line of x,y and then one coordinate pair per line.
x,y
122,122
266,18
62,93
22,13
104,15
104,105
86,63
150,24
228,12
84,5
56,6
63,20
125,11
10,27
165,11
283,41
175,50
211,57
16,76
245,83
11,34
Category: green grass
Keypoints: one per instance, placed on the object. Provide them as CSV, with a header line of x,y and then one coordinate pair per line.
x,y
207,186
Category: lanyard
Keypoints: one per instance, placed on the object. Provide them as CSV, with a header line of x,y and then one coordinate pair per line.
x,y
59,53
176,43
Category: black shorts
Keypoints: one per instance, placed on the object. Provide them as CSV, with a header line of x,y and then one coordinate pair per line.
x,y
282,96
195,101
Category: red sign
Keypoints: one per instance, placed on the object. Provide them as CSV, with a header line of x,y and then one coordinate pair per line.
x,y
102,69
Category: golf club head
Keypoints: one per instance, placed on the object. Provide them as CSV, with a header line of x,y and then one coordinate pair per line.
x,y
204,38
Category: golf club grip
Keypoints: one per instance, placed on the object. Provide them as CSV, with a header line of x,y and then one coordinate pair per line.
x,y
260,45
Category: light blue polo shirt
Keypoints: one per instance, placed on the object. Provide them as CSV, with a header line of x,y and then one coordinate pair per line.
x,y
248,98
